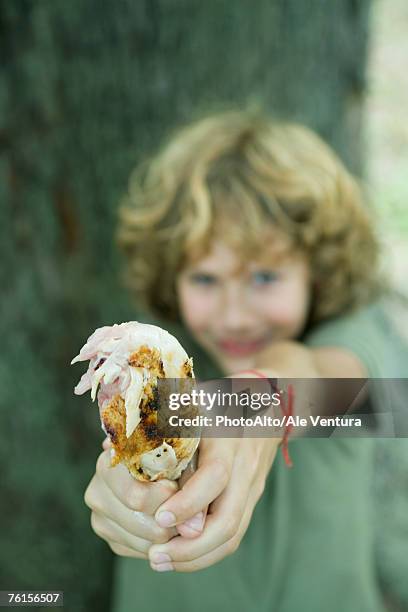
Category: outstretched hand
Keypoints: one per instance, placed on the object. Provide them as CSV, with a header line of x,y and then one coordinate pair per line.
x,y
230,480
169,525
123,509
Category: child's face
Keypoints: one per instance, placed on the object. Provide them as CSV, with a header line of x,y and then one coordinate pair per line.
x,y
237,308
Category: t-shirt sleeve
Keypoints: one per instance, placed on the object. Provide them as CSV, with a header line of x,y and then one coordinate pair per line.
x,y
362,332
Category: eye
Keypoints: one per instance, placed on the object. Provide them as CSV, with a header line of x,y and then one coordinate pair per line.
x,y
201,278
264,277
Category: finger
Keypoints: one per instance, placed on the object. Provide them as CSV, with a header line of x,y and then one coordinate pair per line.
x,y
112,532
210,558
142,496
226,549
211,478
221,525
189,471
193,527
123,551
99,498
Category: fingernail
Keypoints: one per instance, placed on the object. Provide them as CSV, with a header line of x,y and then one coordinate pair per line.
x,y
160,557
166,519
195,523
163,567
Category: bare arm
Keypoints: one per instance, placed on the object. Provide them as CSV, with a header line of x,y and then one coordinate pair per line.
x,y
295,360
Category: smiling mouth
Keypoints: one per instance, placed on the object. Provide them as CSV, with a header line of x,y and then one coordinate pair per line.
x,y
237,348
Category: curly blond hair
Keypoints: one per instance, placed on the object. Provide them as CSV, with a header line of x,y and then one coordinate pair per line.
x,y
234,174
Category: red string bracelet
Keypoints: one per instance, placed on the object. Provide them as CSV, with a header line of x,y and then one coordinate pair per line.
x,y
287,411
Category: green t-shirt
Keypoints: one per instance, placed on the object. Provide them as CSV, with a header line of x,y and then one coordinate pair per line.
x,y
309,546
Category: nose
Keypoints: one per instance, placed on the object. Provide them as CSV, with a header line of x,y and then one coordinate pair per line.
x,y
236,314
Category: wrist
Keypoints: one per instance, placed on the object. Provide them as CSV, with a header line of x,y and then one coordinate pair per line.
x,y
286,405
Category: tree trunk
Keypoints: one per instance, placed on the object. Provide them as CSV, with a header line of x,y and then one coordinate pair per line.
x,y
87,89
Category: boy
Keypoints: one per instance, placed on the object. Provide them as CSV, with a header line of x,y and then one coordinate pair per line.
x,y
254,237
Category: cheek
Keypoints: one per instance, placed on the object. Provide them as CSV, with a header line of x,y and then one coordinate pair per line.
x,y
196,308
286,307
